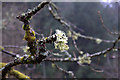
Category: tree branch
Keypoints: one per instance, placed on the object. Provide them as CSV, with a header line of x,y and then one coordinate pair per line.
x,y
64,71
16,73
103,25
68,26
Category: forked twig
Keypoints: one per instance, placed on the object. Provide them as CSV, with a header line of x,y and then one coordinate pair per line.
x,y
103,25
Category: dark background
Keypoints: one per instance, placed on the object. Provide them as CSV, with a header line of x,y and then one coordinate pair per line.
x,y
84,16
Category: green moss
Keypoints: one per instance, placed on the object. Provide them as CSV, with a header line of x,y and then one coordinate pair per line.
x,y
2,64
16,73
29,35
2,48
19,75
26,27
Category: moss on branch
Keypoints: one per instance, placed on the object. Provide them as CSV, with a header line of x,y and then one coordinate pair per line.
x,y
16,73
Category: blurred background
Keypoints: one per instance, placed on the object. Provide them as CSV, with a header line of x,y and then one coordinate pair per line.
x,y
82,14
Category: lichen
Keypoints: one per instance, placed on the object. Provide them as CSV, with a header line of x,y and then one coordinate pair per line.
x,y
25,49
16,73
75,36
29,33
61,42
98,41
69,34
19,75
84,59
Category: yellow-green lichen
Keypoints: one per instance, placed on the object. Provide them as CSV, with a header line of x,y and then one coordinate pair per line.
x,y
30,35
25,27
1,48
84,59
98,41
75,36
16,73
61,42
25,49
69,34
19,75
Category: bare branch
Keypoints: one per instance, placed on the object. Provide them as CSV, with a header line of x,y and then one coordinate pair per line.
x,y
26,16
22,60
76,45
103,25
16,73
107,50
64,71
68,26
11,46
37,49
9,53
31,41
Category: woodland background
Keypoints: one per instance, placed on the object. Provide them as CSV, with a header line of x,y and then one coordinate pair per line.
x,y
84,16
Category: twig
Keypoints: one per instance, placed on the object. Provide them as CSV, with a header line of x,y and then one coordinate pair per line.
x,y
95,39
26,16
9,53
107,50
41,57
23,60
103,25
38,47
16,73
68,26
91,55
50,32
61,59
75,45
64,71
11,46
74,54
31,41
31,59
96,70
